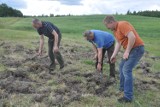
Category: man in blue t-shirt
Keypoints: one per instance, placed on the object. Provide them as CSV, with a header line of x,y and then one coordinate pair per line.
x,y
102,42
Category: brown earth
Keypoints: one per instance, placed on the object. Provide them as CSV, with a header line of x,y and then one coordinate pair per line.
x,y
17,78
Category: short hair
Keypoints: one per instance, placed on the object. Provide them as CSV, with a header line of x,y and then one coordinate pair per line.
x,y
109,19
87,33
35,21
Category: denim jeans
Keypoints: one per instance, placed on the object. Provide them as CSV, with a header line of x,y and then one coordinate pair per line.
x,y
125,69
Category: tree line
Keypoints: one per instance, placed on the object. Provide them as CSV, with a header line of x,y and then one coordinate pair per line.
x,y
145,13
6,11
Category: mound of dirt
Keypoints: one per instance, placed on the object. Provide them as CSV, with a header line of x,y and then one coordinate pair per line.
x,y
3,95
19,48
2,43
20,87
145,66
39,97
76,84
142,85
16,82
31,76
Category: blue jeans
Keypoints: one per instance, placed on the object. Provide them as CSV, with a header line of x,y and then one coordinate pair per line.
x,y
125,69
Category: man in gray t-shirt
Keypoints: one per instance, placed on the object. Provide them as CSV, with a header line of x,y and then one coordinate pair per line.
x,y
53,33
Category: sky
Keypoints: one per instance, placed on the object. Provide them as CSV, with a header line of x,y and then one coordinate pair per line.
x,y
81,7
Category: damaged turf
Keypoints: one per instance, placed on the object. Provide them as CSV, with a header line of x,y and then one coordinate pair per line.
x,y
28,74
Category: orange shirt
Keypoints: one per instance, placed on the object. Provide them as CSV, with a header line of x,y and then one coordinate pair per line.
x,y
121,32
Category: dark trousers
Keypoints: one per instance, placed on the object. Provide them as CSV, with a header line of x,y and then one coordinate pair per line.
x,y
53,55
110,51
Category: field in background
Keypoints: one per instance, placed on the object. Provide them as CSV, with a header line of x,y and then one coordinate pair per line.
x,y
19,42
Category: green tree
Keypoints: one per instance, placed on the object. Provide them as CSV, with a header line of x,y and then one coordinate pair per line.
x,y
6,11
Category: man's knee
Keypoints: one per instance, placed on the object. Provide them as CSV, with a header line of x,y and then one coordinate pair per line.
x,y
121,65
127,72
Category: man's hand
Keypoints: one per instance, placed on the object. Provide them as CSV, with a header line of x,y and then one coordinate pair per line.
x,y
99,67
55,49
125,55
95,56
113,59
39,53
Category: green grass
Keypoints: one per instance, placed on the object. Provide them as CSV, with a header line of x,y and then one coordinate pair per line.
x,y
20,31
72,28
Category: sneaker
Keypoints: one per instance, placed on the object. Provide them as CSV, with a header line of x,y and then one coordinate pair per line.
x,y
124,100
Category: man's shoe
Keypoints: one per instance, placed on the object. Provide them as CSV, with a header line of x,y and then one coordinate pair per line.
x,y
120,94
52,67
61,67
124,100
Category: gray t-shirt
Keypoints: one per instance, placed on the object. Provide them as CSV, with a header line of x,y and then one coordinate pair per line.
x,y
47,29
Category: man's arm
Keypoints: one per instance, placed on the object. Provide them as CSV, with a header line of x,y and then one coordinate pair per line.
x,y
99,66
55,41
100,55
95,51
116,50
131,41
41,44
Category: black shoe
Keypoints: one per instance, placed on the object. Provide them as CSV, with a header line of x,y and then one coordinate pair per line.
x,y
51,70
124,100
61,67
52,67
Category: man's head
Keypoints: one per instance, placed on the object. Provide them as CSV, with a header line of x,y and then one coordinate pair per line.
x,y
36,23
88,35
110,22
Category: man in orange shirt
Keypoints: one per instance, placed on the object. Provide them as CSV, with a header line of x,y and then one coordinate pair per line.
x,y
133,45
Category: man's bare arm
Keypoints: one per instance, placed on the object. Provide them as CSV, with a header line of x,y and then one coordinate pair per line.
x,y
99,66
117,48
131,41
95,49
100,55
55,38
41,44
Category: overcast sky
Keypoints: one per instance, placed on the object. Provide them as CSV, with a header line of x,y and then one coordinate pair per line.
x,y
81,7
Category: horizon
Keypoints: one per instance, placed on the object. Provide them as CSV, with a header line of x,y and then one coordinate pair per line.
x,y
80,7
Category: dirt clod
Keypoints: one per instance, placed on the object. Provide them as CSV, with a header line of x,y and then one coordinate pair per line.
x,y
31,77
39,97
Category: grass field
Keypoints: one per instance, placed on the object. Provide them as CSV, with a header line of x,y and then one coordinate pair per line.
x,y
25,81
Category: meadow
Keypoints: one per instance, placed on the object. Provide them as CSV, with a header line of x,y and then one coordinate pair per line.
x,y
25,81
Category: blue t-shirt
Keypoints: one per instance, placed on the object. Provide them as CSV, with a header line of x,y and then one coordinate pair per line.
x,y
103,39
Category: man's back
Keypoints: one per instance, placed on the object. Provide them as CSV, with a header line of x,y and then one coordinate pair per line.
x,y
102,38
47,29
